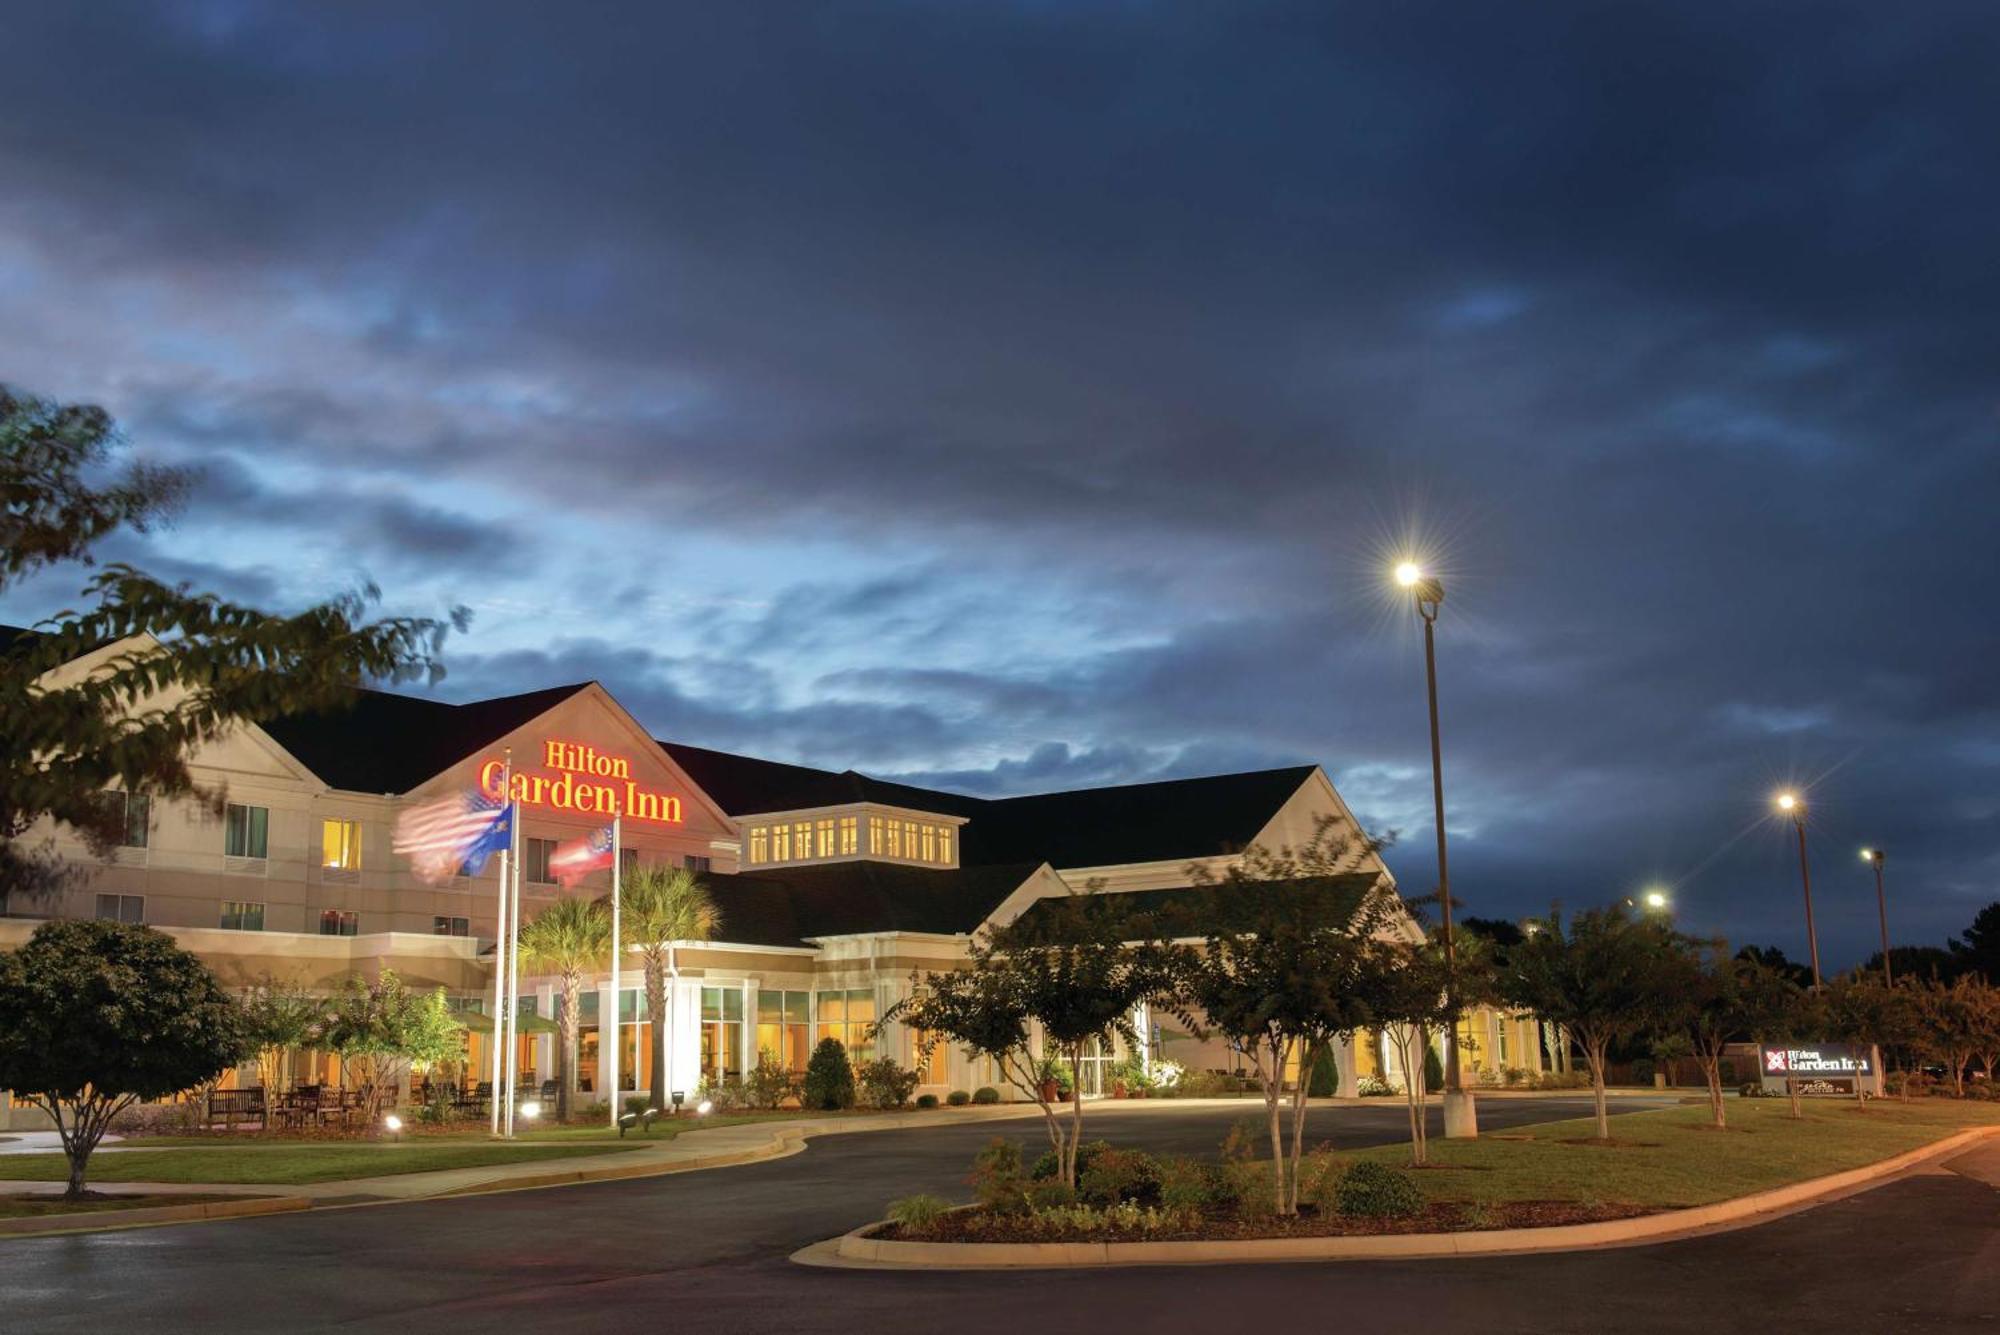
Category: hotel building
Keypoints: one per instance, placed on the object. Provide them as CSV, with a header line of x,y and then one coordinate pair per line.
x,y
832,888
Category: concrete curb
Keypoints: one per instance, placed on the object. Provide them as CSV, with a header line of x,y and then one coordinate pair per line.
x,y
856,1249
97,1221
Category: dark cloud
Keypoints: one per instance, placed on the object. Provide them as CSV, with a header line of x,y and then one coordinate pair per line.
x,y
1021,395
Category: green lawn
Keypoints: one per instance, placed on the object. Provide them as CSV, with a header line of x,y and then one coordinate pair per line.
x,y
1676,1160
662,1130
287,1164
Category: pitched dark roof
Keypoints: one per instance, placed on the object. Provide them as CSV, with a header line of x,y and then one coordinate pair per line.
x,y
1346,895
384,743
1090,827
13,635
788,905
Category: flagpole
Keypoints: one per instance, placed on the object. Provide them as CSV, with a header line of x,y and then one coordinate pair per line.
x,y
500,956
513,967
617,997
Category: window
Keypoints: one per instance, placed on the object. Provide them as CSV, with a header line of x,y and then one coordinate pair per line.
x,y
340,844
535,861
802,840
451,926
934,1068
722,1034
338,922
944,845
895,849
698,862
823,834
930,843
877,840
910,839
121,908
241,917
784,1027
131,816
849,832
849,1016
760,845
246,831
781,843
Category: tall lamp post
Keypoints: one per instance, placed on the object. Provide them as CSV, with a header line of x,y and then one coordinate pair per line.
x,y
1873,856
1461,1117
1793,806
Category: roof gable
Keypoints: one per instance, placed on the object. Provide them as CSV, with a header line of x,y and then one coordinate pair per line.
x,y
386,743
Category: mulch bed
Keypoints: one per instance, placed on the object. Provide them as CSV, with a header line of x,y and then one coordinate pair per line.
x,y
1439,1217
37,1205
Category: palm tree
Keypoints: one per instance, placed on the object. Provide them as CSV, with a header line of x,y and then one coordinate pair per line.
x,y
569,938
659,908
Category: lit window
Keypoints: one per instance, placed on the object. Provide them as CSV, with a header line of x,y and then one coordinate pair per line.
x,y
823,831
944,845
930,843
338,922
910,839
877,840
242,917
340,844
849,835
803,834
895,848
246,831
760,845
121,908
781,843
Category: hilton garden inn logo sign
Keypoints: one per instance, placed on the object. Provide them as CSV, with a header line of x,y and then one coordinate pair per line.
x,y
1825,1068
586,780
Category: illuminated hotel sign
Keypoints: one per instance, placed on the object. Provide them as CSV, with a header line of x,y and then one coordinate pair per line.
x,y
588,781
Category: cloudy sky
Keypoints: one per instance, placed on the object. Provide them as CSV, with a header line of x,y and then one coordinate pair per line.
x,y
1019,396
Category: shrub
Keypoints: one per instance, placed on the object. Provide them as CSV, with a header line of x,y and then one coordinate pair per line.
x,y
1378,1191
770,1081
1517,1076
1187,1183
638,1104
1320,1174
1753,1090
1324,1082
600,1111
986,1094
1058,1070
1244,1189
885,1084
1045,1166
1050,1194
1205,1085
1166,1075
725,1096
1373,1087
1118,1175
996,1176
958,1098
927,1100
917,1212
1913,1084
829,1082
1433,1069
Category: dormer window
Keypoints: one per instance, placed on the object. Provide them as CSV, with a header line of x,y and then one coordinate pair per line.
x,y
931,842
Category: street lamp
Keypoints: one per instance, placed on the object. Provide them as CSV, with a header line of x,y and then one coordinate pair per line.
x,y
1460,1115
1656,899
1792,805
1874,856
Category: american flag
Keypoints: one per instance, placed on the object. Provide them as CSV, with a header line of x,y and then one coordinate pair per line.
x,y
457,831
573,859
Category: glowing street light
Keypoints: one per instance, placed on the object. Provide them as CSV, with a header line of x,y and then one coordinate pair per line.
x,y
1428,593
531,1110
1656,899
1873,856
1792,805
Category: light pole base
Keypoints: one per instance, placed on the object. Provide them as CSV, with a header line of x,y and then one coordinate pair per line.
x,y
1461,1116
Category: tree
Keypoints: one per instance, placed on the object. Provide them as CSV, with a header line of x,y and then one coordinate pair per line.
x,y
569,938
1281,969
199,664
1403,989
1069,969
1606,977
95,1016
1949,1020
660,908
1978,951
381,1028
280,1018
1773,958
1724,999
829,1082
